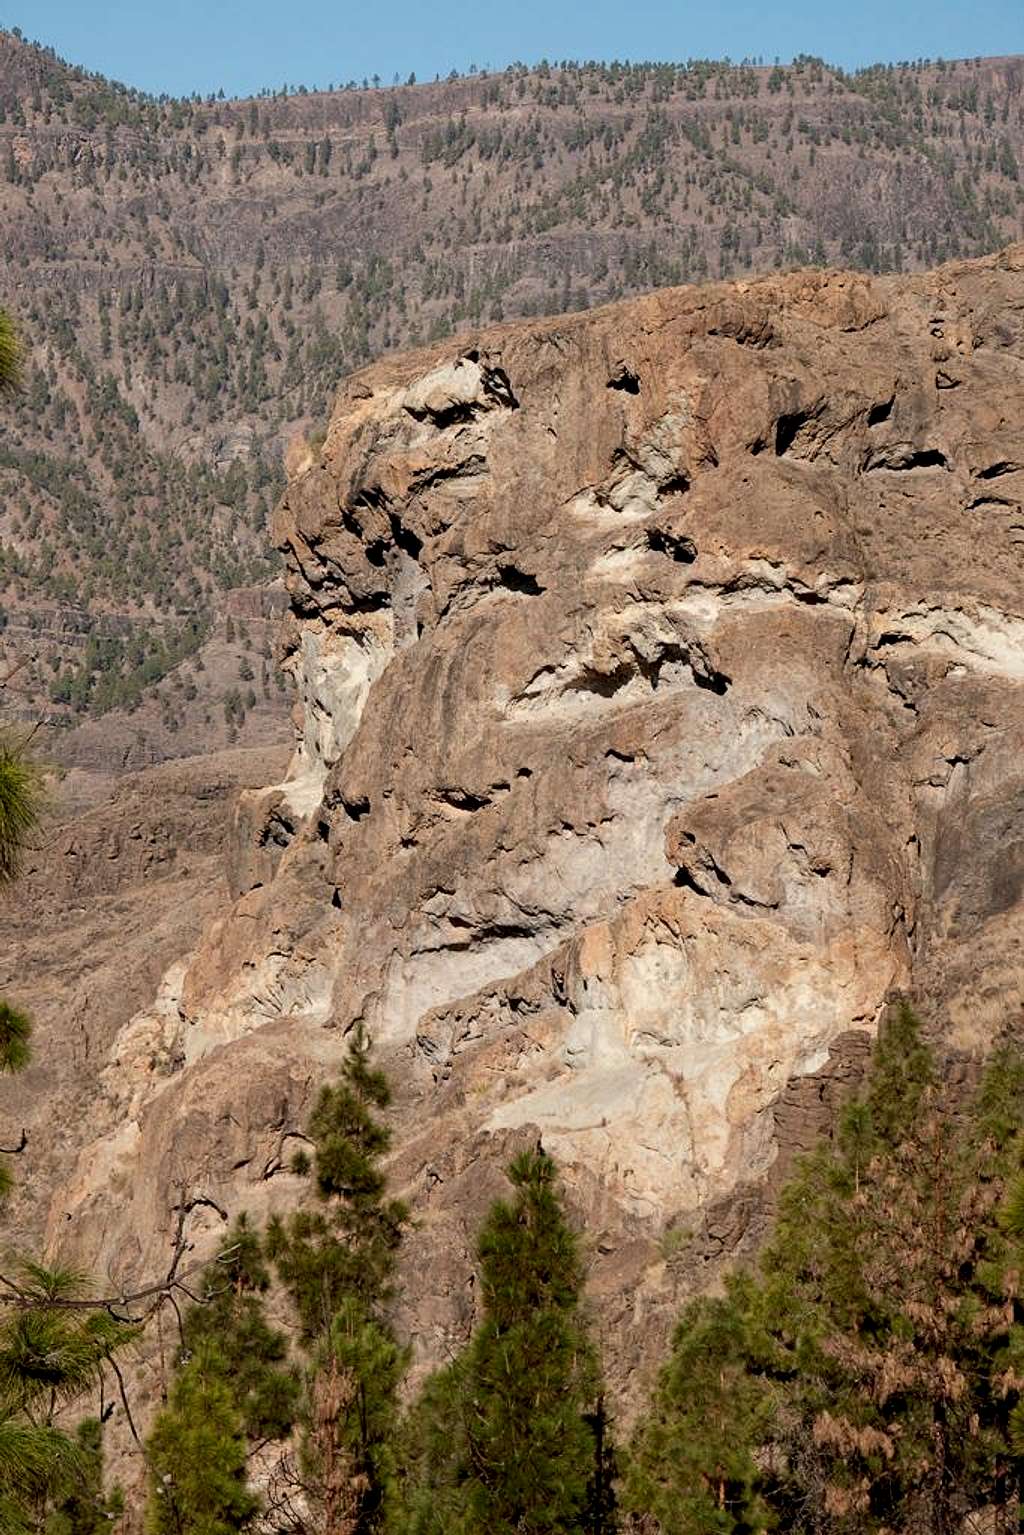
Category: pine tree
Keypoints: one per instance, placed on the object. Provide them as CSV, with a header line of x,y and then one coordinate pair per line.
x,y
902,1075
338,1260
433,1455
51,1354
693,1463
233,1391
347,1245
878,1317
872,1365
348,1447
197,1455
504,1439
231,1320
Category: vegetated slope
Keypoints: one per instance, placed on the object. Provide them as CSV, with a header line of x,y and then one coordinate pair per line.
x,y
660,679
193,277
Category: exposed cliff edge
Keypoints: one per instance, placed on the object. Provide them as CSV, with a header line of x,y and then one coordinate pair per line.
x,y
661,697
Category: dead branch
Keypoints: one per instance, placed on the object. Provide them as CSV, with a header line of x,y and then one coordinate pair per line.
x,y
13,670
124,1307
122,1389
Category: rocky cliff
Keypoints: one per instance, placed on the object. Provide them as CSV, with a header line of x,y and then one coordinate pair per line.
x,y
191,278
660,711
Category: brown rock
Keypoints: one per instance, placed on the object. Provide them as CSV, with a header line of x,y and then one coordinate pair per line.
x,y
660,678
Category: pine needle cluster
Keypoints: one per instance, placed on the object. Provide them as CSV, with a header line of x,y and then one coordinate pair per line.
x,y
509,1437
865,1377
21,800
51,1356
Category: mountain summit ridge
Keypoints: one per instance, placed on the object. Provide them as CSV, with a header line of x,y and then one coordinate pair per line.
x,y
192,278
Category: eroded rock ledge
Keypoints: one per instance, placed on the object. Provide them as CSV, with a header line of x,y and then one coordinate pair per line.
x,y
660,676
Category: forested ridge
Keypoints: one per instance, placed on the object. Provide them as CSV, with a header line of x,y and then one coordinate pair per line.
x,y
197,275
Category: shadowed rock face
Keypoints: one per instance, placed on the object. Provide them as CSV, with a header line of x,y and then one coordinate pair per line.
x,y
660,674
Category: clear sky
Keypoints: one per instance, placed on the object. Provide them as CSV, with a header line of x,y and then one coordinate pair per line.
x,y
241,45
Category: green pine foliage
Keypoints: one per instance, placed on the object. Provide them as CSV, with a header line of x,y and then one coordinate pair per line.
x,y
694,1465
1012,1219
231,1324
347,1244
52,1355
337,1260
20,806
233,1391
197,1455
37,1463
87,1509
20,801
15,1053
15,1033
431,1495
901,1080
10,354
348,1449
869,1371
504,1440
52,1348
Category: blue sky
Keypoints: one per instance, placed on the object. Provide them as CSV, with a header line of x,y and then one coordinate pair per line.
x,y
241,45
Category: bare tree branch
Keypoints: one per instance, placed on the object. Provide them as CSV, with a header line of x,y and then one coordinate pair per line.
x,y
124,1400
123,1307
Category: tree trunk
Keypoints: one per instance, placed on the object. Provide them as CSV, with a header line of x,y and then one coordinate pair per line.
x,y
335,1484
941,1510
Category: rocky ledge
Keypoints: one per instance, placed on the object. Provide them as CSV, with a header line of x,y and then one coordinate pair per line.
x,y
660,674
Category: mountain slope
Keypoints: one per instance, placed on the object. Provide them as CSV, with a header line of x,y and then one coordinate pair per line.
x,y
660,673
193,278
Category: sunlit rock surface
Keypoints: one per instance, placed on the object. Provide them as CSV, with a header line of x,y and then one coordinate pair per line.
x,y
660,677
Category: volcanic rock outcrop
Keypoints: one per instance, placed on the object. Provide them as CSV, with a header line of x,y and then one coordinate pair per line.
x,y
660,675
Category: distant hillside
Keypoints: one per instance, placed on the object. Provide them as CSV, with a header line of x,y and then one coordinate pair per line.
x,y
193,277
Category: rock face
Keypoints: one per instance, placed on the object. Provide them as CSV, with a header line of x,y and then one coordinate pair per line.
x,y
127,875
190,281
660,677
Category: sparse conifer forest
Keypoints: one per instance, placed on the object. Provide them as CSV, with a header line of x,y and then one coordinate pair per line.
x,y
865,1374
193,313
858,1370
